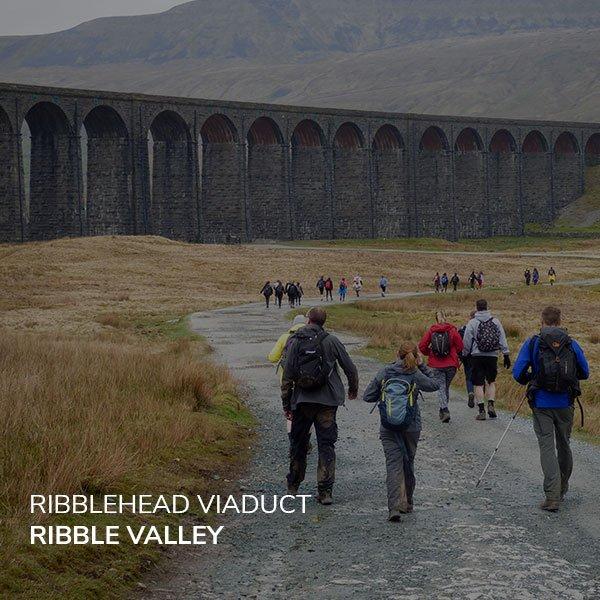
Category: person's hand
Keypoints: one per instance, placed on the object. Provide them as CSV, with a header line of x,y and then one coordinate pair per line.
x,y
507,362
419,359
352,395
288,413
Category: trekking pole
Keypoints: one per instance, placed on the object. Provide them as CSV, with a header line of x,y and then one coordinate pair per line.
x,y
489,462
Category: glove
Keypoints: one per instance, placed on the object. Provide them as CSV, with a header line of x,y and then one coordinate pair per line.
x,y
507,362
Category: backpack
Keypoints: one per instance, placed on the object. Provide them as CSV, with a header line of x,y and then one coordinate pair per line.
x,y
488,336
329,284
557,363
279,290
292,291
440,343
268,290
444,280
309,369
397,406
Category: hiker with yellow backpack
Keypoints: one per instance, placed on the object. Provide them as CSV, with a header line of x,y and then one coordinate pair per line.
x,y
395,390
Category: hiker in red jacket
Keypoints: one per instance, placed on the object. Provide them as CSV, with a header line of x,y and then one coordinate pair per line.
x,y
442,345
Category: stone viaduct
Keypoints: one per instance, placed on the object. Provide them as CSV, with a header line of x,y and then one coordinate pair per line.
x,y
101,163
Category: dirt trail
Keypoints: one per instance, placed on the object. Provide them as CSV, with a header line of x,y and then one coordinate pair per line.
x,y
460,542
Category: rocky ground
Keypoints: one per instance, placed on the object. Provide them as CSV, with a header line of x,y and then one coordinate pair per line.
x,y
461,542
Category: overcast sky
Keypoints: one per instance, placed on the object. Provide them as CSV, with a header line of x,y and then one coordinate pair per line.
x,y
19,17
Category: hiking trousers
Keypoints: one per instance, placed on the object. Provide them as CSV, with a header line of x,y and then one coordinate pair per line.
x,y
553,428
444,377
324,419
400,448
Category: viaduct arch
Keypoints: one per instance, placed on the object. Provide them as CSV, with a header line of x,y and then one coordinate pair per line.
x,y
78,162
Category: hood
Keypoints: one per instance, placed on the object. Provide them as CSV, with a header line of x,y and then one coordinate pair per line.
x,y
441,327
483,315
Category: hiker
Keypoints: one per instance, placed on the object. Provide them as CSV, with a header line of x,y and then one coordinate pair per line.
x,y
383,284
299,293
551,276
292,293
480,280
343,289
321,286
328,290
466,361
535,277
472,280
311,391
278,354
455,281
357,285
442,345
279,291
436,282
396,388
527,275
445,282
484,337
267,292
551,364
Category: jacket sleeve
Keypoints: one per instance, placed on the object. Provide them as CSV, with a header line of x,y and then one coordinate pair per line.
x,y
275,355
287,384
503,341
457,341
424,343
468,339
373,392
522,368
583,367
424,379
349,368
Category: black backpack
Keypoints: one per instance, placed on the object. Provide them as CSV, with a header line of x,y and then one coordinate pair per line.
x,y
440,343
292,291
488,336
307,367
557,363
268,290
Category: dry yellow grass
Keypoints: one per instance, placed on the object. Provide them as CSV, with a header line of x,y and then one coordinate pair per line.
x,y
387,323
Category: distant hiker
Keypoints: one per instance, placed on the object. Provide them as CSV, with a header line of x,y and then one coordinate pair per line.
x,y
527,275
292,293
468,367
551,364
357,285
279,291
437,282
383,284
551,276
535,277
442,345
480,280
328,290
311,391
278,354
455,280
484,338
472,280
396,388
267,292
299,292
321,286
444,282
343,289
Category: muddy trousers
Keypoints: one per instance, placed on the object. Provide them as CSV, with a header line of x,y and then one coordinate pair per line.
x,y
553,427
444,377
399,448
323,418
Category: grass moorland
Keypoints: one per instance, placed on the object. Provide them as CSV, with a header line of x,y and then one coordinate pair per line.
x,y
103,388
385,323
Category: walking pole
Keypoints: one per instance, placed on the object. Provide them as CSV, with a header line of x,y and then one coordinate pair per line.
x,y
489,462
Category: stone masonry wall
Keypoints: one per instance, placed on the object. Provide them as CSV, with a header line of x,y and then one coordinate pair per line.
x,y
470,194
504,194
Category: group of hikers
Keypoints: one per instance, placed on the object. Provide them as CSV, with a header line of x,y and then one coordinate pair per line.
x,y
441,282
292,289
309,358
533,276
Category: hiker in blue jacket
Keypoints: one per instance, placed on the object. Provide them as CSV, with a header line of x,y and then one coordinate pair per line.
x,y
551,364
400,442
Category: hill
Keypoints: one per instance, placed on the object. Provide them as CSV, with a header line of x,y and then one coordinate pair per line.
x,y
516,59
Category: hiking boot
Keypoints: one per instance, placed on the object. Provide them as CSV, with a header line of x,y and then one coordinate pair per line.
x,y
491,411
405,510
481,415
292,490
471,401
395,516
550,505
444,415
325,498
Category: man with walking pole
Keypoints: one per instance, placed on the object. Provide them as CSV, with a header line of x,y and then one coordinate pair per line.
x,y
551,365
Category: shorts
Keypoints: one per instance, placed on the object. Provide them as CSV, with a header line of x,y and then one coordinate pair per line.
x,y
484,369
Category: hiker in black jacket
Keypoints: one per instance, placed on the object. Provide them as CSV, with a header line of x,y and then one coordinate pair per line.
x,y
267,292
279,291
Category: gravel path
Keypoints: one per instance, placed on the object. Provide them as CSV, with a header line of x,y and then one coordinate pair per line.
x,y
489,543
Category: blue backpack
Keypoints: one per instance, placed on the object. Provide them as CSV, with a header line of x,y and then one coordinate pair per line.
x,y
398,405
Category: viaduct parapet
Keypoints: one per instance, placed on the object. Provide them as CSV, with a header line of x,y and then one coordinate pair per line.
x,y
99,163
